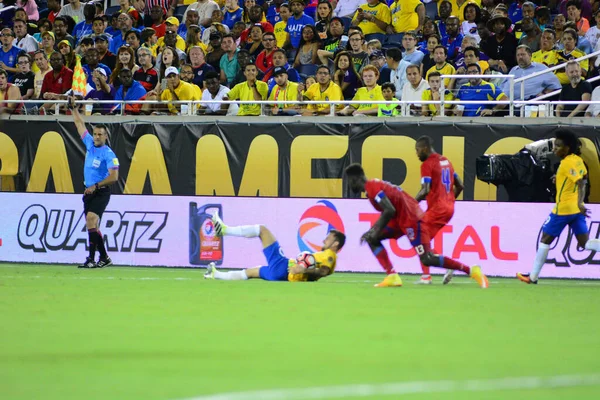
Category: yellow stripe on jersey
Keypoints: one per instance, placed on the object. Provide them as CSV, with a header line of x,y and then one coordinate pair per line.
x,y
326,258
570,171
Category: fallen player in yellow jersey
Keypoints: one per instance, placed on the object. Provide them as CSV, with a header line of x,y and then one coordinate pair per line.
x,y
278,268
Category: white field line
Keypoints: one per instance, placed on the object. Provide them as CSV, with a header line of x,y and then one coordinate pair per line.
x,y
408,388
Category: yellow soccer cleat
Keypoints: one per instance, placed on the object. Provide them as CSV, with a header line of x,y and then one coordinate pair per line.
x,y
479,277
392,280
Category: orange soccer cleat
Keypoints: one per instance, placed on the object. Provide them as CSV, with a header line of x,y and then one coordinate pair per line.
x,y
392,280
479,277
526,278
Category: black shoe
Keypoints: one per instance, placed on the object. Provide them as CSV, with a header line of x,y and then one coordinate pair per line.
x,y
89,263
104,262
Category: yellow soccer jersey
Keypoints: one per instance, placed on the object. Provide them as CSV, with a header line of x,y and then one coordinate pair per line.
x,y
372,95
243,92
544,57
325,258
290,93
570,171
280,34
185,91
561,57
381,11
448,96
314,93
404,15
447,69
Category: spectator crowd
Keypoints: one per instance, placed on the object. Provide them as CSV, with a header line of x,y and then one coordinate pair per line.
x,y
172,51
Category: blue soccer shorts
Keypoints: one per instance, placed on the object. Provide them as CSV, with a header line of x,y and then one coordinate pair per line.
x,y
277,264
555,224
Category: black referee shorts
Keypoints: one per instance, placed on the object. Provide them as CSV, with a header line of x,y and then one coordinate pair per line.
x,y
97,201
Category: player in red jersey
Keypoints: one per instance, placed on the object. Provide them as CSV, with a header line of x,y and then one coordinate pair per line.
x,y
400,215
440,185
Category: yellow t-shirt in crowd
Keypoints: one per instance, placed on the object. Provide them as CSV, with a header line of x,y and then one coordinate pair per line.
x,y
570,171
333,92
280,34
404,15
242,91
447,69
460,11
426,96
544,57
290,93
185,91
380,11
363,94
180,44
325,258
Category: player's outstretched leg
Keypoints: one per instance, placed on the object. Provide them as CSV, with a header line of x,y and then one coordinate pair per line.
x,y
248,231
434,260
392,279
213,273
426,277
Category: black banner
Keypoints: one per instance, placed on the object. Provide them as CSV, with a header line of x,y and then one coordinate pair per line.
x,y
299,159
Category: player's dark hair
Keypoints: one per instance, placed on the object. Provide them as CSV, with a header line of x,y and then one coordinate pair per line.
x,y
102,126
569,139
211,75
355,170
339,237
389,85
474,49
426,140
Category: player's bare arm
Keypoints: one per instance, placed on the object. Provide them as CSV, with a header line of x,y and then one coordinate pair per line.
x,y
314,274
79,124
458,186
581,186
388,212
425,189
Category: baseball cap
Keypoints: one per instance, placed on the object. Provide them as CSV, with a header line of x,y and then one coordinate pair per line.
x,y
49,33
172,21
102,37
376,54
279,71
296,1
101,71
64,42
341,21
215,35
171,70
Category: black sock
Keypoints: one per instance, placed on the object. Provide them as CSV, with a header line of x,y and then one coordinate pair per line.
x,y
100,245
92,243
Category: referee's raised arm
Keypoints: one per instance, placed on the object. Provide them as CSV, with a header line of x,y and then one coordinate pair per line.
x,y
77,117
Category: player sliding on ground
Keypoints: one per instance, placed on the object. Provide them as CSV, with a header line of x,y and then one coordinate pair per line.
x,y
440,185
400,215
278,268
571,180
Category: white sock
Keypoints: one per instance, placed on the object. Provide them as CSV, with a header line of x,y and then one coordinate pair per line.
x,y
540,259
248,231
593,244
231,275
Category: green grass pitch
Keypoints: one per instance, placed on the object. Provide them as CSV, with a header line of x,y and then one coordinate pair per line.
x,y
142,333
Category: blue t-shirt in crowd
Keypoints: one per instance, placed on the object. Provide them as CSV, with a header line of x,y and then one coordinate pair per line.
x,y
294,28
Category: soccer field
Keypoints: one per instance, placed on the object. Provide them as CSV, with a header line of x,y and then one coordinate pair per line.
x,y
141,333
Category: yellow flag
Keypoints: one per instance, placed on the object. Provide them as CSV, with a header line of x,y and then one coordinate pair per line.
x,y
79,85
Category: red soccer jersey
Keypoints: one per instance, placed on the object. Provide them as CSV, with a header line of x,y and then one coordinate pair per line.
x,y
438,171
408,211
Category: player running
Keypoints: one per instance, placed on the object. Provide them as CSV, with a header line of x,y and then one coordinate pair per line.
x,y
571,180
400,215
440,185
278,268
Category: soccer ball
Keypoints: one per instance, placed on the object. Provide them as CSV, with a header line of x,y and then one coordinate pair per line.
x,y
306,259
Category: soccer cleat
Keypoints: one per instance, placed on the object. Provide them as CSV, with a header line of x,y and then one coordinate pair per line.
x,y
104,262
526,278
220,227
423,281
479,277
210,271
448,276
392,280
89,263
